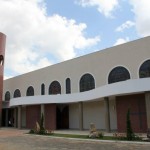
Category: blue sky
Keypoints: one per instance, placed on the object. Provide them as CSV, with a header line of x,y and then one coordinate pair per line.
x,y
97,23
45,32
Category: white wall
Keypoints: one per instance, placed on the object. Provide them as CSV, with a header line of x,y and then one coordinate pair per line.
x,y
113,114
99,64
23,115
93,112
74,116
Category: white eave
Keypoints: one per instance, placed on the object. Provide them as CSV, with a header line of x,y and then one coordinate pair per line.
x,y
115,89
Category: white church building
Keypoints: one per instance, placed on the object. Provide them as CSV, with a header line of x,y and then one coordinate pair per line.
x,y
96,88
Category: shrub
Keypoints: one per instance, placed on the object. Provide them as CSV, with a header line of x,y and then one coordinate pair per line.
x,y
39,128
129,132
42,123
31,131
100,135
120,136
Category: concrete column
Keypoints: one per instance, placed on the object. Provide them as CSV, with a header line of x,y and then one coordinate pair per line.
x,y
80,115
15,117
43,112
19,117
6,119
147,100
107,114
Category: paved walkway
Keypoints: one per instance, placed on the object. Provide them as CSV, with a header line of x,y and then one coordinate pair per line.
x,y
13,139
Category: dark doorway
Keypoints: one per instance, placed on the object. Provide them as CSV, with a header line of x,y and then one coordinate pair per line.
x,y
7,117
62,117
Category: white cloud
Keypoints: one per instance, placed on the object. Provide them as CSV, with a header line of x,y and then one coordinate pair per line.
x,y
128,24
105,7
7,77
121,41
33,36
141,9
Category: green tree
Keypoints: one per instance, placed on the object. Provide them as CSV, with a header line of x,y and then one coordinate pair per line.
x,y
129,131
42,129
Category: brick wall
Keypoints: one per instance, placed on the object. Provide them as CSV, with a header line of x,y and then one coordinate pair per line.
x,y
32,115
136,103
2,58
50,116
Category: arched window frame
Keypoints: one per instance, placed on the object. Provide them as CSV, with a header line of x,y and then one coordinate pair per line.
x,y
68,86
54,88
87,82
42,89
30,91
17,93
144,70
7,96
118,74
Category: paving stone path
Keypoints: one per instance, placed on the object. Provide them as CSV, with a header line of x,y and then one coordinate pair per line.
x,y
11,139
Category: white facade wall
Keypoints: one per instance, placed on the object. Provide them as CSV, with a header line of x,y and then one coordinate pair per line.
x,y
130,55
99,64
113,113
74,116
93,112
23,116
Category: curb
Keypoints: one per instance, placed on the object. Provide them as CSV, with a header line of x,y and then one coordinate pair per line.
x,y
95,140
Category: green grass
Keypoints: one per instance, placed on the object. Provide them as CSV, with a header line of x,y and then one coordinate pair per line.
x,y
85,137
69,135
81,136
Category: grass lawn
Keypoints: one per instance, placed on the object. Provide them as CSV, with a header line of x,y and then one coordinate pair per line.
x,y
87,137
79,136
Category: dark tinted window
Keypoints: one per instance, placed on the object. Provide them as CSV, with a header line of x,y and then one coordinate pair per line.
x,y
87,83
30,91
118,74
17,93
7,96
55,88
42,89
68,86
144,71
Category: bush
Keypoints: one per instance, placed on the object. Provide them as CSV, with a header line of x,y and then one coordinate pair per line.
x,y
31,131
129,132
39,128
100,135
120,136
42,123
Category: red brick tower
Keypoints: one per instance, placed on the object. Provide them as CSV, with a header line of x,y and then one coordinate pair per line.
x,y
2,56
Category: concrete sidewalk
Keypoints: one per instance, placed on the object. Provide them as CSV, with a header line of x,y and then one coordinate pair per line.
x,y
13,139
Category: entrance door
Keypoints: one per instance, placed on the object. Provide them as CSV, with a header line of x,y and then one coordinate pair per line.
x,y
137,106
62,117
7,117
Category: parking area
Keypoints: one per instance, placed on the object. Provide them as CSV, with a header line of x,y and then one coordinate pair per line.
x,y
13,139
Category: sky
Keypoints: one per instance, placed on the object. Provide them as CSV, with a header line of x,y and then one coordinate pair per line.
x,y
45,32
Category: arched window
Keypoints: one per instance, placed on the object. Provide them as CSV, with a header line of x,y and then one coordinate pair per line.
x,y
118,74
30,91
68,86
87,82
1,60
144,71
43,89
7,96
55,88
17,93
